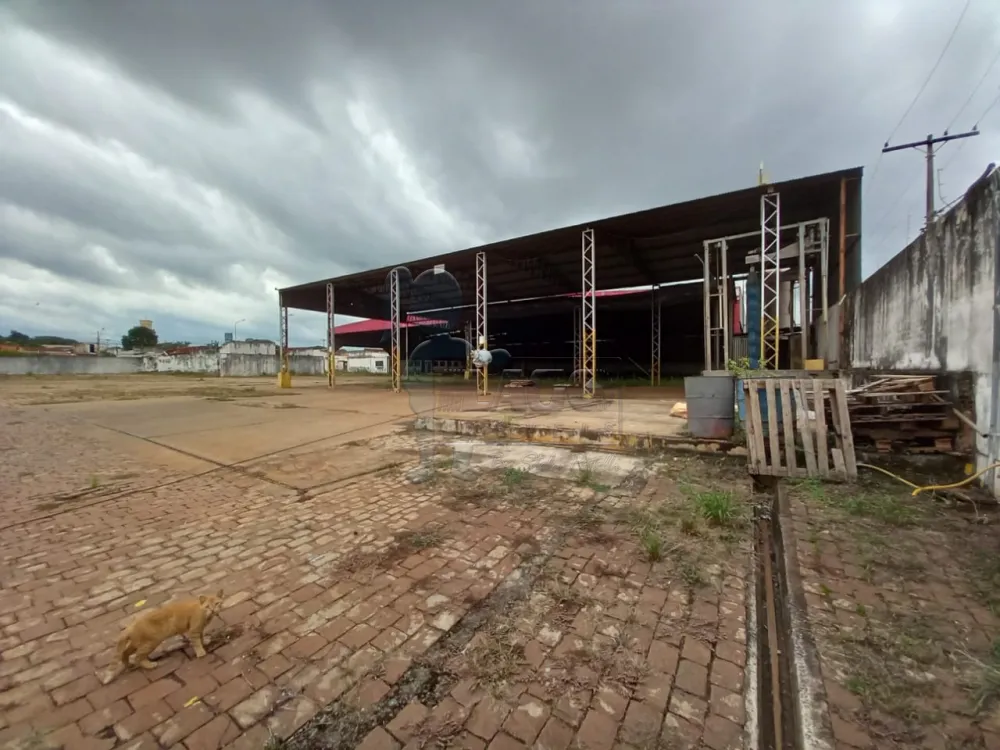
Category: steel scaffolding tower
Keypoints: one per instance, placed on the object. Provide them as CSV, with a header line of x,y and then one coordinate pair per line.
x,y
394,353
654,367
482,336
588,349
770,279
331,343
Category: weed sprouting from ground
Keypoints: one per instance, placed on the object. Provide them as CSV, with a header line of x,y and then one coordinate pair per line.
x,y
688,526
716,507
884,508
95,482
513,477
494,659
984,682
985,579
420,539
690,574
813,488
587,476
652,544
402,545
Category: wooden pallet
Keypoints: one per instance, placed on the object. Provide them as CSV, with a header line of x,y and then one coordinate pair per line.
x,y
796,422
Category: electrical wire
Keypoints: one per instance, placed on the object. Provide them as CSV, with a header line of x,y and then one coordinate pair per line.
x,y
923,87
930,75
917,489
987,111
961,145
975,90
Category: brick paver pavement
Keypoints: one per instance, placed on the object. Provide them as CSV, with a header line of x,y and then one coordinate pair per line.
x,y
325,606
900,595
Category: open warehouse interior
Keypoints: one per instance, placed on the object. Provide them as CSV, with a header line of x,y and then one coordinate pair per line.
x,y
756,273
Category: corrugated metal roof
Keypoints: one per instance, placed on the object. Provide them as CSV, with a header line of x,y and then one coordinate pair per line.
x,y
655,246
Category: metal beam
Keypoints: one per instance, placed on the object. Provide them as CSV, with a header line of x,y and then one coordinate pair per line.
x,y
331,344
803,306
394,353
756,232
482,334
282,334
589,320
770,279
654,367
577,341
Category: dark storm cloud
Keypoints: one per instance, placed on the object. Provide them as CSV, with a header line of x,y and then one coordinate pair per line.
x,y
401,129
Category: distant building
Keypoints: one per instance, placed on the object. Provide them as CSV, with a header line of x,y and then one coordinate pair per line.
x,y
146,323
352,359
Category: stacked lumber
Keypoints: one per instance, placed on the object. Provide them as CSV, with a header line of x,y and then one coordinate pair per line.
x,y
902,414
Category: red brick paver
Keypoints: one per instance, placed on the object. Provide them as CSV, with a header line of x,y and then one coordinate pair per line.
x,y
641,655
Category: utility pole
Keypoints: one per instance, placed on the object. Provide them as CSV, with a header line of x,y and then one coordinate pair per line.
x,y
928,145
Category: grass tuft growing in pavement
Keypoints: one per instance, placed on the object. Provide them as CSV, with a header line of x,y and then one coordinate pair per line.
x,y
717,507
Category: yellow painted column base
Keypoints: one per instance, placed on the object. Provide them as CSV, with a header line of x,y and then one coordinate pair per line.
x,y
284,379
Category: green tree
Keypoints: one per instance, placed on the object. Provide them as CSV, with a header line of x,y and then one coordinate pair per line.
x,y
139,337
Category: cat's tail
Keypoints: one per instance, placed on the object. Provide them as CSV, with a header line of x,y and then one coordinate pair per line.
x,y
125,648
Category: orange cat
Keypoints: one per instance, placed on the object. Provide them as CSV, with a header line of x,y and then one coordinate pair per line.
x,y
187,617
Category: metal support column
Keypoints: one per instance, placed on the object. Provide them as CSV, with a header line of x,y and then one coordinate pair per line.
x,y
725,311
717,312
824,259
706,295
803,299
472,346
770,279
588,350
577,342
331,343
654,366
394,349
285,374
482,334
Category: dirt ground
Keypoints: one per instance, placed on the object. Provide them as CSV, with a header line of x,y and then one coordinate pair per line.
x,y
504,610
902,595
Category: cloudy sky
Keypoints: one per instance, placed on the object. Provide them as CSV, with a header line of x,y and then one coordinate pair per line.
x,y
179,160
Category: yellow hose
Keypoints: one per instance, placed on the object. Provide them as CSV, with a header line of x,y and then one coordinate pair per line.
x,y
890,474
917,489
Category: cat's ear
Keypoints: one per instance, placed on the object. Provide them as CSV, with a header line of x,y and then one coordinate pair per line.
x,y
220,596
202,599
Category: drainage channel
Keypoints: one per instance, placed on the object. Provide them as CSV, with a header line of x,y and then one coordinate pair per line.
x,y
777,709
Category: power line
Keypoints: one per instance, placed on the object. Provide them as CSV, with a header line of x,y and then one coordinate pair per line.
x,y
933,70
974,90
976,127
987,111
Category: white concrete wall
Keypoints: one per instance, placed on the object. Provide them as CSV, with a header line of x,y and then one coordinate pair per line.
x,y
238,359
46,364
203,361
931,308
